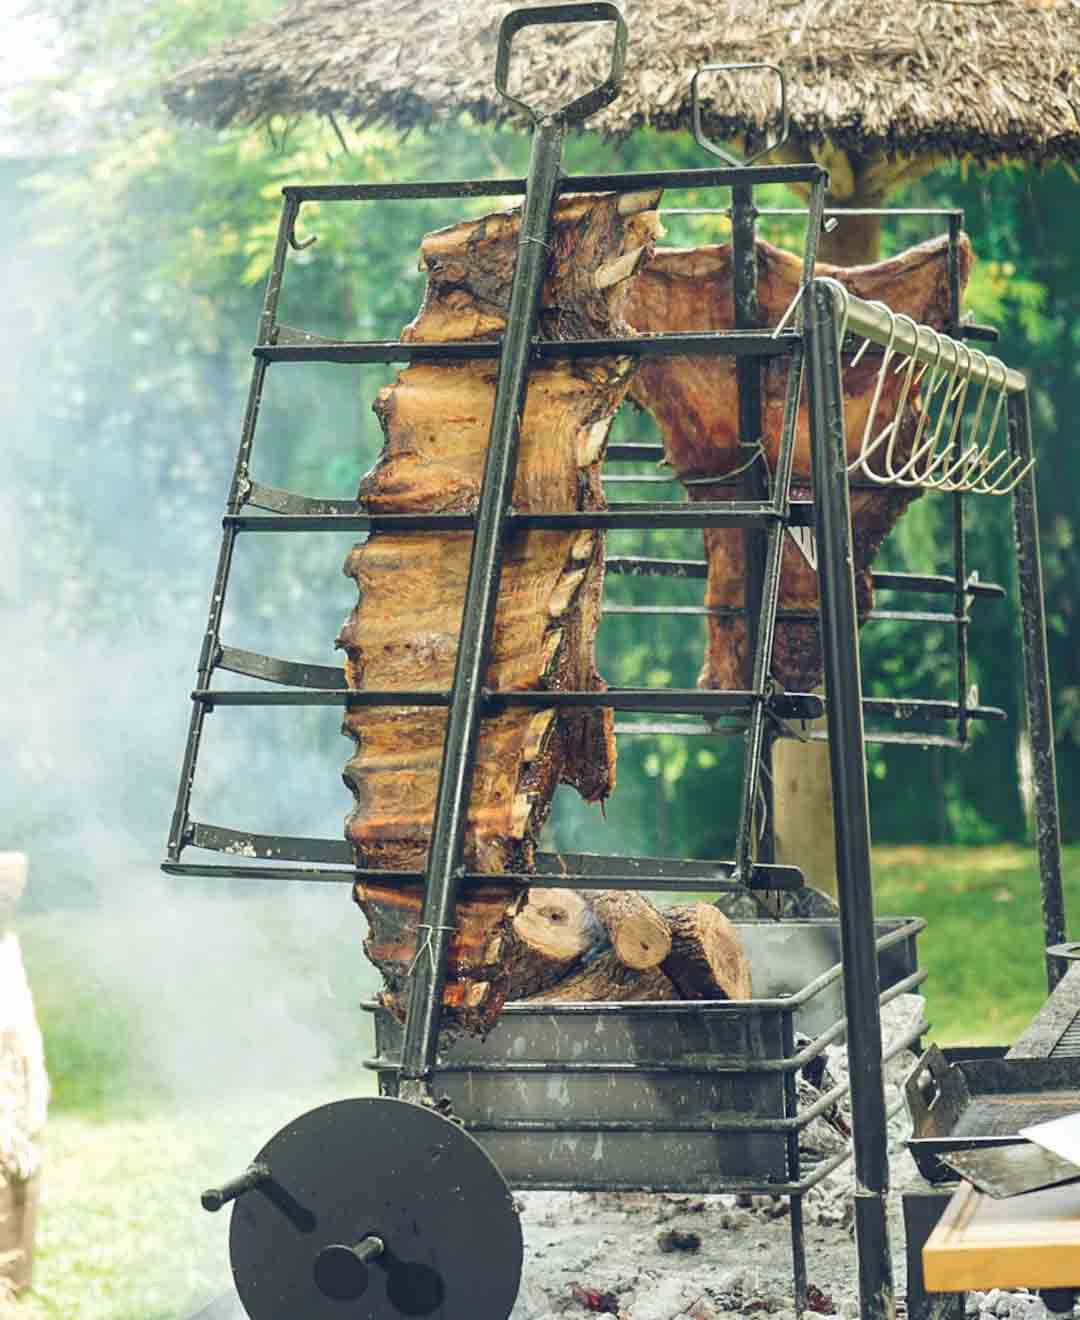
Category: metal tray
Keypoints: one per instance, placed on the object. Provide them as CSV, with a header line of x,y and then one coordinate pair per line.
x,y
975,1104
672,1096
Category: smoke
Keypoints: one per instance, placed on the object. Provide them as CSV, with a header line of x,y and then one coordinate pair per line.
x,y
117,467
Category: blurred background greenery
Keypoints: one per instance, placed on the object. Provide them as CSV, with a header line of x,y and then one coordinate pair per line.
x,y
127,353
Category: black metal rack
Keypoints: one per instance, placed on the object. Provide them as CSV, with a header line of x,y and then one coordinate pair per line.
x,y
763,509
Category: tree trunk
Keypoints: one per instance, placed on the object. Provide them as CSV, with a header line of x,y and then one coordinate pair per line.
x,y
403,632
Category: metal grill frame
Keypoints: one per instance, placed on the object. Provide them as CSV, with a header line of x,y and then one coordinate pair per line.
x,y
762,512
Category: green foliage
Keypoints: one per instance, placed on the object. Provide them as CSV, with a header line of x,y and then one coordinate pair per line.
x,y
982,947
149,245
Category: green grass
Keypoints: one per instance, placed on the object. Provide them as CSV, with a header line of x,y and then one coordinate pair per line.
x,y
122,1235
983,944
137,1129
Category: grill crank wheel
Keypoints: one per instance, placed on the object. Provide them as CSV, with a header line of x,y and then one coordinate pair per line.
x,y
372,1208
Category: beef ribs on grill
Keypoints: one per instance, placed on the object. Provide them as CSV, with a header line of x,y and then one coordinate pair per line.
x,y
695,403
403,632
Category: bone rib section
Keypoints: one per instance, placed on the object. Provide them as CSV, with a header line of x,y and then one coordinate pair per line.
x,y
404,630
694,402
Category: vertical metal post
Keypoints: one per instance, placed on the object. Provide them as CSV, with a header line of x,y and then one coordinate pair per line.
x,y
445,866
237,491
959,548
795,1202
847,760
752,484
1037,701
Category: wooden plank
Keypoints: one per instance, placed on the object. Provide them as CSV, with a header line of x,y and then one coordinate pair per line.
x,y
1030,1241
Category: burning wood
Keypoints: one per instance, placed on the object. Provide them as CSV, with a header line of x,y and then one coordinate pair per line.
x,y
403,632
695,403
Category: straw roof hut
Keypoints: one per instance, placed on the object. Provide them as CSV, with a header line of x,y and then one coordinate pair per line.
x,y
878,92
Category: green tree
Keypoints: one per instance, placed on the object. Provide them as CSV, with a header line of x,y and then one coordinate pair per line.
x,y
137,252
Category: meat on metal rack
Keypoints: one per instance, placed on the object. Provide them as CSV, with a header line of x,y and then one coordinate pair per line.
x,y
390,1198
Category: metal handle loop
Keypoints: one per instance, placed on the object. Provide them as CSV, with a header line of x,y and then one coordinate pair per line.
x,y
594,11
703,140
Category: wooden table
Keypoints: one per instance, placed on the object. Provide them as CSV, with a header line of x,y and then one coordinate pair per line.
x,y
1030,1241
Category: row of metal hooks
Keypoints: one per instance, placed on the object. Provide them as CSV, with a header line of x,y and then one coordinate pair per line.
x,y
951,449
939,382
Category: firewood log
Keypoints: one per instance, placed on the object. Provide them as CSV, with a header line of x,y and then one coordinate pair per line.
x,y
606,978
403,632
707,960
694,402
638,933
550,936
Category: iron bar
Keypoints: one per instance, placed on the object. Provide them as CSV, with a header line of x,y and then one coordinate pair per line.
x,y
874,323
959,548
719,177
553,868
847,758
931,583
629,515
704,1063
786,705
264,334
635,566
444,867
785,878
731,344
795,1204
887,738
838,211
752,483
634,453
937,584
270,669
800,616
1037,692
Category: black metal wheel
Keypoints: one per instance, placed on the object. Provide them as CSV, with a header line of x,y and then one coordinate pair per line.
x,y
376,1209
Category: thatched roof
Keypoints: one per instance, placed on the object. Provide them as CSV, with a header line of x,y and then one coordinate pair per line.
x,y
977,78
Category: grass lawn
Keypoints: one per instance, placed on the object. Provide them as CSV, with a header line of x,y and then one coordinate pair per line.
x,y
983,944
172,1066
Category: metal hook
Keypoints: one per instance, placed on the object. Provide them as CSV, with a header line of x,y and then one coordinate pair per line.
x,y
905,392
867,446
901,478
294,242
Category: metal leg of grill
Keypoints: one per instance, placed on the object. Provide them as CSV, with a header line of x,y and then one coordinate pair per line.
x,y
847,760
798,1252
1037,699
922,1210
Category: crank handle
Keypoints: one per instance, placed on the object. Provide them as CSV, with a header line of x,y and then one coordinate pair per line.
x,y
593,11
253,1176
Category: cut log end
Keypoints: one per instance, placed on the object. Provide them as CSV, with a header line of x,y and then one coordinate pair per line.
x,y
638,932
707,960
